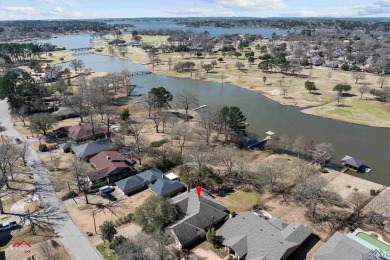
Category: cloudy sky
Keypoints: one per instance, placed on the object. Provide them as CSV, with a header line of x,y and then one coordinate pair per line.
x,y
65,9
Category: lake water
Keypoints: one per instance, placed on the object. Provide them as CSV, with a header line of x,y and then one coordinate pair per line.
x,y
74,41
371,144
214,31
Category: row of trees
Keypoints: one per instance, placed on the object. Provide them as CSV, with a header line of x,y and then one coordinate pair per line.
x,y
18,53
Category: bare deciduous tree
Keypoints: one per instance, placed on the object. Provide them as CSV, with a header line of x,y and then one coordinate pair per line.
x,y
186,100
48,250
363,89
226,156
272,173
383,80
303,146
136,128
323,153
207,120
358,75
79,173
182,132
358,200
199,155
330,74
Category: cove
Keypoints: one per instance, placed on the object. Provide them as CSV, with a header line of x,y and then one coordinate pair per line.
x,y
371,144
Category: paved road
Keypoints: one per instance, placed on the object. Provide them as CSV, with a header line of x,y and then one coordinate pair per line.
x,y
76,244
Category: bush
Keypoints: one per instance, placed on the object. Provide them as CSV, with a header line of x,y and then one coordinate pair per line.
x,y
373,192
124,220
116,242
69,195
43,148
220,59
344,67
108,231
156,144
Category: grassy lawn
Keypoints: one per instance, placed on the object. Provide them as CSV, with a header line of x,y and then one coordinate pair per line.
x,y
374,241
240,201
107,253
361,111
154,38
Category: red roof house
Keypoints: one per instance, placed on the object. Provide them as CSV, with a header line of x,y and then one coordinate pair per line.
x,y
108,164
83,132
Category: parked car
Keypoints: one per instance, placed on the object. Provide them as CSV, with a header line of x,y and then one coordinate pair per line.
x,y
81,181
108,196
106,189
8,225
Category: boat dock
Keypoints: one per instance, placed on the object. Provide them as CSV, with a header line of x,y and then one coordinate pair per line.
x,y
197,108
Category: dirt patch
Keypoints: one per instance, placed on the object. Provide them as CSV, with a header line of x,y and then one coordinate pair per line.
x,y
82,214
345,184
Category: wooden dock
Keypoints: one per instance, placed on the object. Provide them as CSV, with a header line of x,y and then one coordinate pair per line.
x,y
197,108
140,73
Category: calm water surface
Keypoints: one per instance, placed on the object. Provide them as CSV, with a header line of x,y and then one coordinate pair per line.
x,y
370,144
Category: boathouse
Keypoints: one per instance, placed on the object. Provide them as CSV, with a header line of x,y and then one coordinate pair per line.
x,y
349,162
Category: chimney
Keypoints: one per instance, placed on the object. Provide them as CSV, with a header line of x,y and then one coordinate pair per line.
x,y
108,158
232,214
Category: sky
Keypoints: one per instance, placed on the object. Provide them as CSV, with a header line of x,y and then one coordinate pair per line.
x,y
77,9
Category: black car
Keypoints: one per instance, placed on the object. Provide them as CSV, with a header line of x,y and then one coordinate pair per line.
x,y
109,196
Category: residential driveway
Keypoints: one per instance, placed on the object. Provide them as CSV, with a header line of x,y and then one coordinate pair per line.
x,y
76,244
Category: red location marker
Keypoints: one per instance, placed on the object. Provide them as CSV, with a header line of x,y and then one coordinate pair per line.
x,y
198,187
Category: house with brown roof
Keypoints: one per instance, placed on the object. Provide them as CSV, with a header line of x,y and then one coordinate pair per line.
x,y
83,132
109,165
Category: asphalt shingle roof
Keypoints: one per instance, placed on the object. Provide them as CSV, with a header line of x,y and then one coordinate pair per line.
x,y
352,161
255,238
133,182
91,148
156,181
197,214
340,246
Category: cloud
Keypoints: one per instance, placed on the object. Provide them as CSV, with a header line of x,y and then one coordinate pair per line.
x,y
381,7
249,5
57,11
71,3
197,12
20,10
76,15
46,1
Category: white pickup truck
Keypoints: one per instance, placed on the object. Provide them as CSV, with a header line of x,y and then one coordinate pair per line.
x,y
8,225
106,189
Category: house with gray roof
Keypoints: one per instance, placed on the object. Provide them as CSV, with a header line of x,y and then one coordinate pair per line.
x,y
340,246
196,216
67,146
65,112
248,236
154,179
87,150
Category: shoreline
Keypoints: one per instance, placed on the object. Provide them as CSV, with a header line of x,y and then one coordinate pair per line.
x,y
306,109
